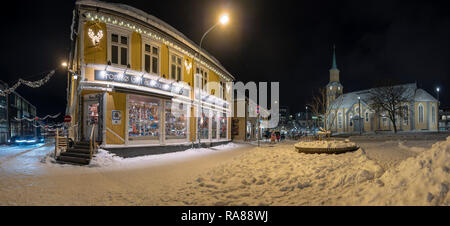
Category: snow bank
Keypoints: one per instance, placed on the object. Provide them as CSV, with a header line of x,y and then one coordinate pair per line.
x,y
281,176
421,180
277,176
106,159
325,144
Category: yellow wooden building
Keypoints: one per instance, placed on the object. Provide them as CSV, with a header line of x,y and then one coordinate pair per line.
x,y
141,82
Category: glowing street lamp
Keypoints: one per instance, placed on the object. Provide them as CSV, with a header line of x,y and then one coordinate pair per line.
x,y
64,64
224,19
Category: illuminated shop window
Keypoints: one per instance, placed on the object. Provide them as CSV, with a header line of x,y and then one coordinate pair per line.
x,y
175,121
223,125
144,118
214,125
203,124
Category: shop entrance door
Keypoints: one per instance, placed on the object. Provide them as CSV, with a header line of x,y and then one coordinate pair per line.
x,y
91,117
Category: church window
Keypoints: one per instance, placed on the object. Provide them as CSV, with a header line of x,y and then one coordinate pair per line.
x,y
340,119
433,114
367,116
351,119
421,113
405,115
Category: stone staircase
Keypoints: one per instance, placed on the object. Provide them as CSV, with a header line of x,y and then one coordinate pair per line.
x,y
78,154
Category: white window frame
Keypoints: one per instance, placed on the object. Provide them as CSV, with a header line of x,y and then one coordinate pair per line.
x,y
221,84
180,56
152,44
120,32
205,70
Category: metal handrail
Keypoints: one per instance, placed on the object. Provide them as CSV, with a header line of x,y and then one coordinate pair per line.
x,y
92,142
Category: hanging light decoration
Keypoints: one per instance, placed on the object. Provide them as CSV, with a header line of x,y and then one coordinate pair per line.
x,y
35,84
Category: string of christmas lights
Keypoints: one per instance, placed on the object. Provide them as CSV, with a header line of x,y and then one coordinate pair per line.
x,y
32,84
40,119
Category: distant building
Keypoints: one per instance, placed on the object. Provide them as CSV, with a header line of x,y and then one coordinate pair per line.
x,y
444,119
245,127
422,109
13,107
284,115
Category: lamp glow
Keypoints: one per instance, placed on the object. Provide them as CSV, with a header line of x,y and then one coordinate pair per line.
x,y
224,19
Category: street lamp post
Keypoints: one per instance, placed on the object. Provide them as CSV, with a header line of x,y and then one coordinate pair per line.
x,y
306,114
223,20
359,108
438,104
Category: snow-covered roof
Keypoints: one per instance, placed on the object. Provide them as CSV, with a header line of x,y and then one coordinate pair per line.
x,y
153,21
422,95
349,99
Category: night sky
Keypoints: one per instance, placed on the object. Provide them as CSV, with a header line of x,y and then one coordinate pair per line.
x,y
286,41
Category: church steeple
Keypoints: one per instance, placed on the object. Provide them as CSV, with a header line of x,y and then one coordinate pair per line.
x,y
334,71
334,87
334,65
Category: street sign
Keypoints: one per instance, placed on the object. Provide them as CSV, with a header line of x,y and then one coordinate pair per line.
x,y
67,118
314,117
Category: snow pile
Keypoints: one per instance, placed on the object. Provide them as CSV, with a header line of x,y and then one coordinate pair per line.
x,y
278,176
325,144
109,160
422,180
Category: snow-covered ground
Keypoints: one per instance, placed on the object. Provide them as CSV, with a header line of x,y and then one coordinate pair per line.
x,y
383,172
280,176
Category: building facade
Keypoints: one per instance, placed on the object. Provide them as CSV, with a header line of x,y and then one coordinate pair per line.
x,y
352,112
141,82
13,109
245,124
444,119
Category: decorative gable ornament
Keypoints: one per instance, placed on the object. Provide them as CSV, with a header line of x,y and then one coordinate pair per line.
x,y
95,37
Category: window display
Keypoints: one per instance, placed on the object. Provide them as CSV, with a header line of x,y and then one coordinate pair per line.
x,y
92,114
203,124
223,126
214,125
144,118
175,121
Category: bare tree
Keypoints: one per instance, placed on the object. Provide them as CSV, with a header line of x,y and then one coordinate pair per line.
x,y
327,111
388,100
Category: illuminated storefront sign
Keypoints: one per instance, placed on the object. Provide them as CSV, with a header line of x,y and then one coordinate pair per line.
x,y
140,81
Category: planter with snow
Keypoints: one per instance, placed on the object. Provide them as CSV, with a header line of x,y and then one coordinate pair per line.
x,y
325,147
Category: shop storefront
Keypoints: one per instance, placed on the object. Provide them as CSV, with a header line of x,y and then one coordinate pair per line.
x,y
132,82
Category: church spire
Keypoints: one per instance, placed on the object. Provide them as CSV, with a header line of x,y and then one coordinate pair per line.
x,y
334,65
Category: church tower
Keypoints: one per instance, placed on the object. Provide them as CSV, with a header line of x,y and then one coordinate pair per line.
x,y
334,87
